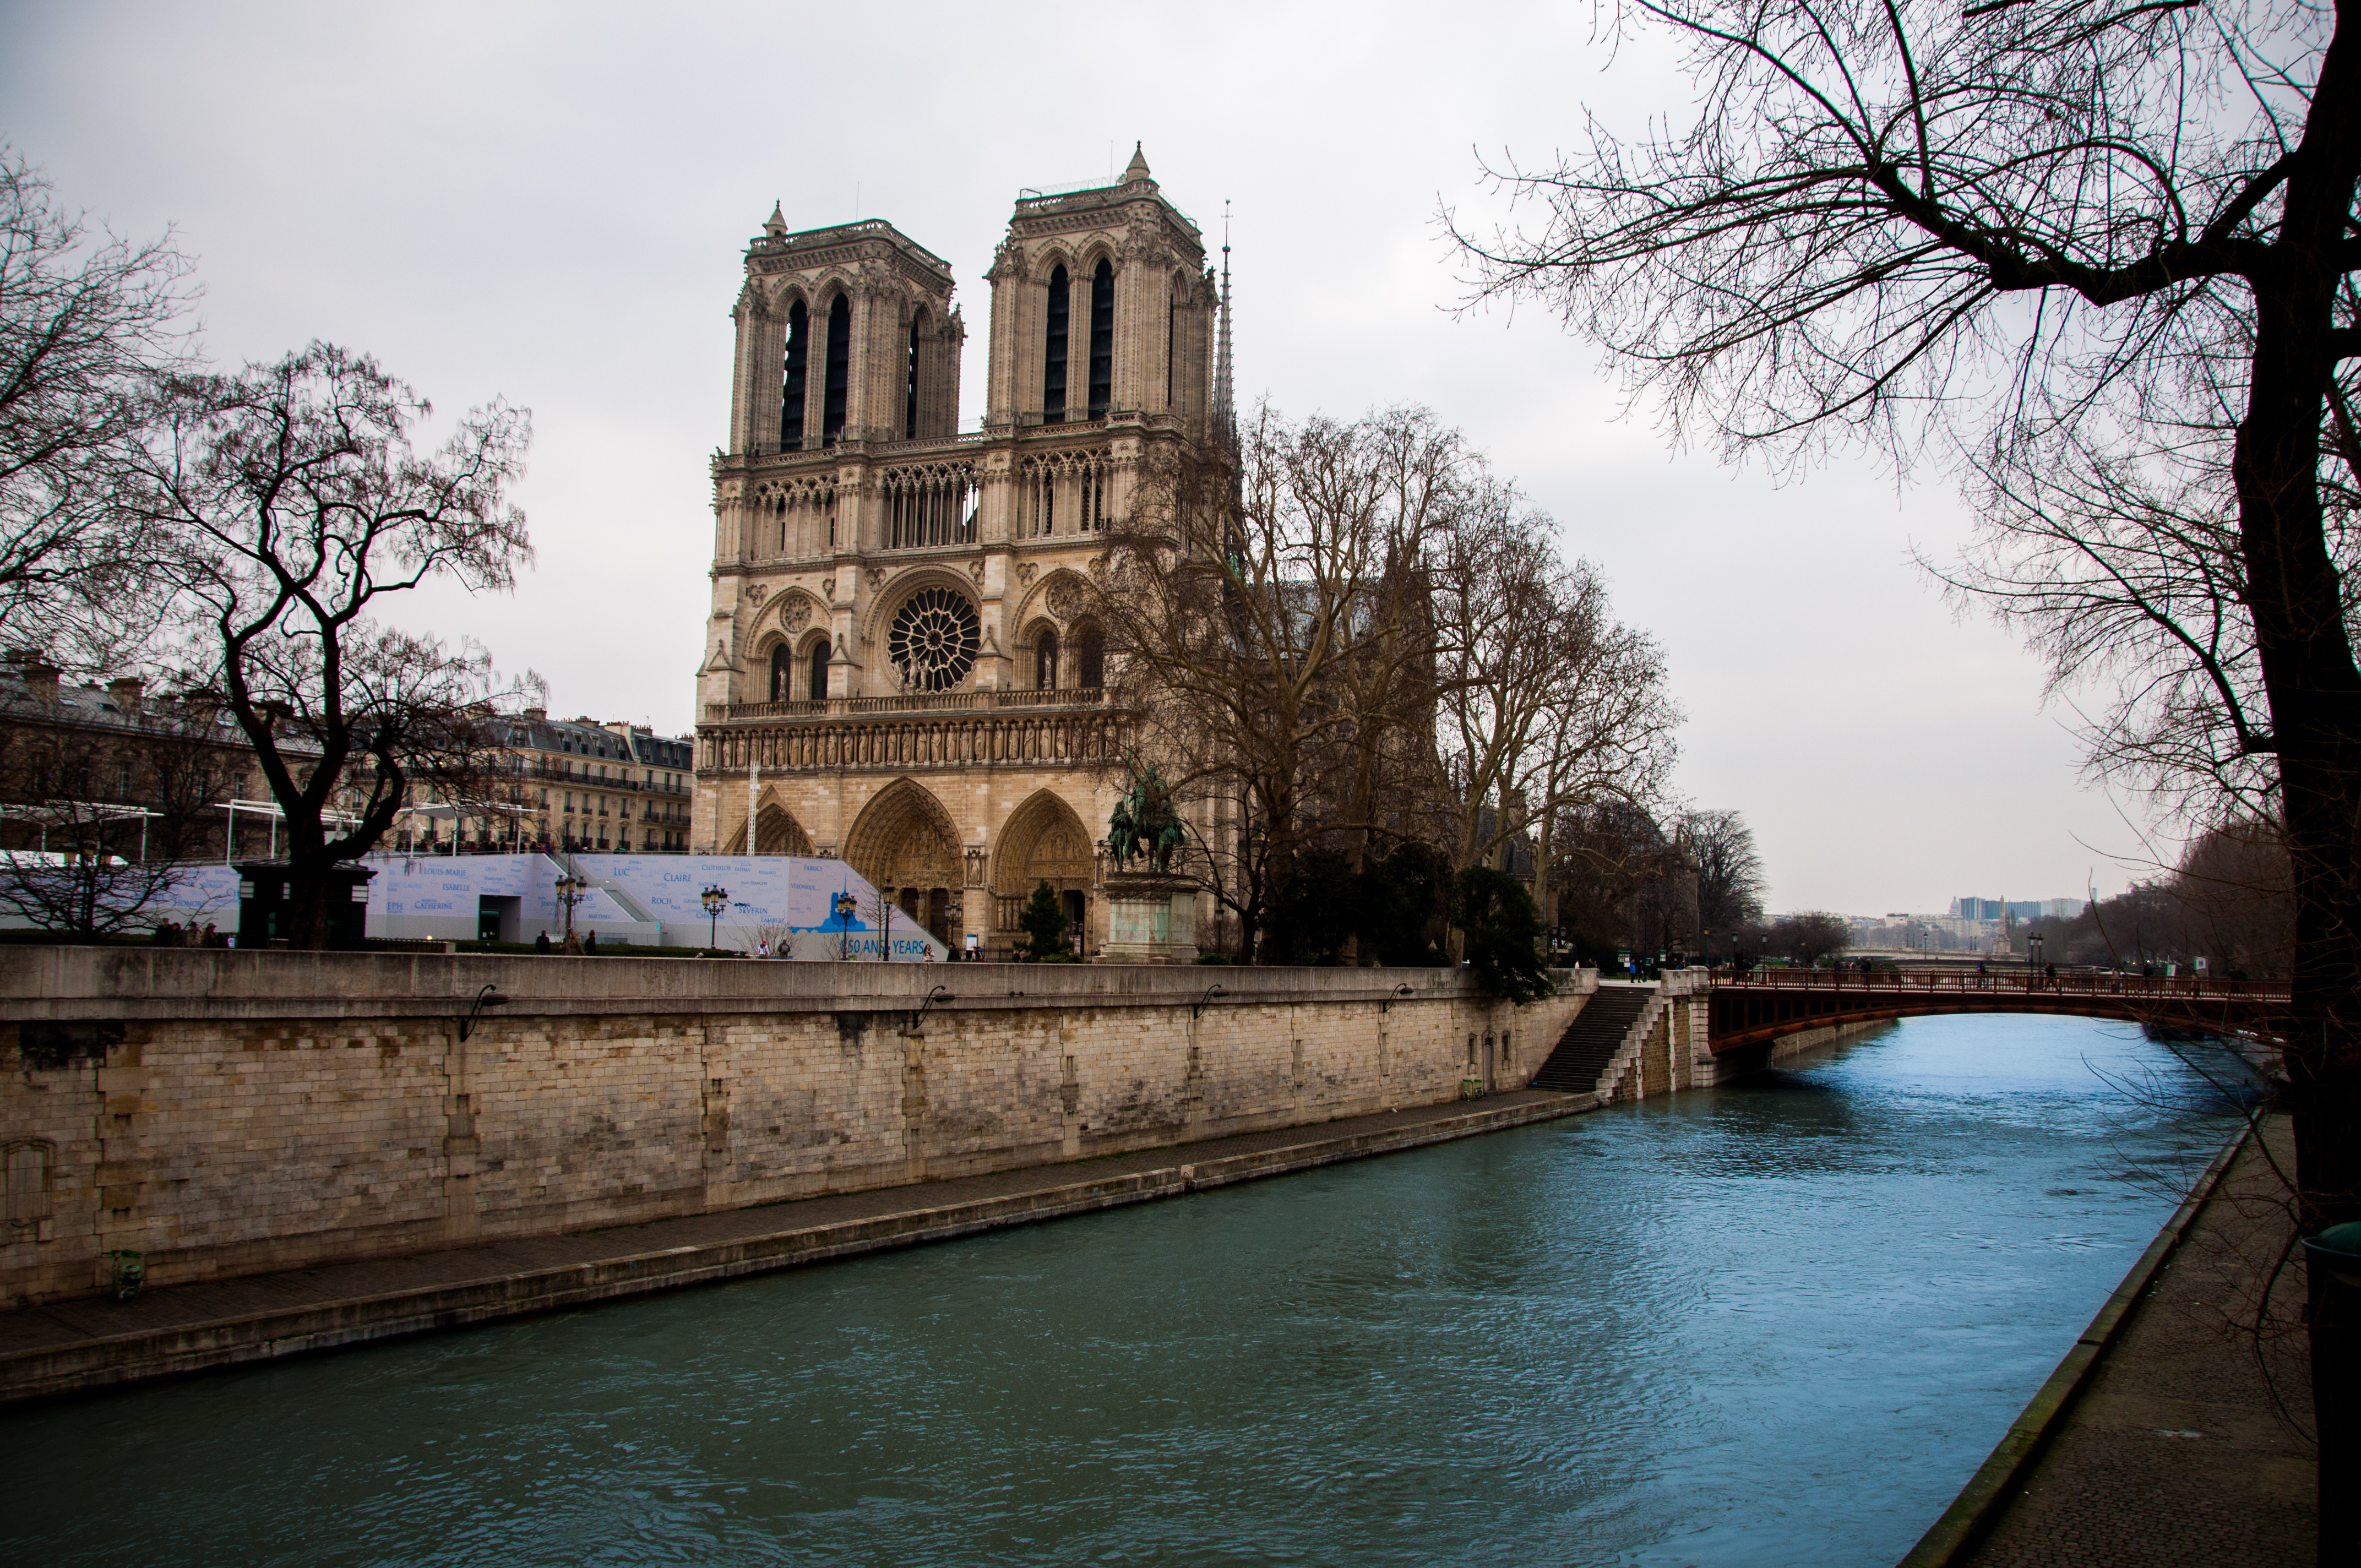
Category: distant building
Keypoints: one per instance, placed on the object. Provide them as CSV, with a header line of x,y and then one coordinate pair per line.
x,y
575,785
134,773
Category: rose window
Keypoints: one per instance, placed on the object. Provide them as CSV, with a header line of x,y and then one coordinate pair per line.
x,y
934,639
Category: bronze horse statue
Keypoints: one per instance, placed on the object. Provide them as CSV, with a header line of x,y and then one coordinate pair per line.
x,y
1145,826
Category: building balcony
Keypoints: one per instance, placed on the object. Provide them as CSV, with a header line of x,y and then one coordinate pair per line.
x,y
956,730
930,703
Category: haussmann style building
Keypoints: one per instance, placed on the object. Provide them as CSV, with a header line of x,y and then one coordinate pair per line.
x,y
898,669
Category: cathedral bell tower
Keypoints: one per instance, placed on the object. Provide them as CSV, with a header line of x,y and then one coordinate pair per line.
x,y
844,334
1101,306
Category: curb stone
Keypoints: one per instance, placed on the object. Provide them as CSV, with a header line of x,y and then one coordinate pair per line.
x,y
1963,1526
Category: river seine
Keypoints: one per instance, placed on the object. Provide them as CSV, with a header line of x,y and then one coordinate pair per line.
x,y
1780,1322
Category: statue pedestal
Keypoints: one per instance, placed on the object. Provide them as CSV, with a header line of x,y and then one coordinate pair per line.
x,y
1151,919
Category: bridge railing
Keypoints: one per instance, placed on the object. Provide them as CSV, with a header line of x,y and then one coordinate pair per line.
x,y
1967,981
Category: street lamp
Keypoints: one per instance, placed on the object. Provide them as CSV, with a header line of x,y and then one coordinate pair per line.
x,y
2032,959
715,899
845,904
884,921
571,891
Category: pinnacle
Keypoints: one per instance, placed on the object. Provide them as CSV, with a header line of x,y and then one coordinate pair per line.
x,y
1137,168
777,223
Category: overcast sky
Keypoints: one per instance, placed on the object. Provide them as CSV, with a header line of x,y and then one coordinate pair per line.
x,y
550,204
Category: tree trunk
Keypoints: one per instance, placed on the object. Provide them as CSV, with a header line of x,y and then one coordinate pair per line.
x,y
307,902
2315,704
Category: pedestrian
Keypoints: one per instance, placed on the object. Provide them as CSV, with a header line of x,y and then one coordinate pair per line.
x,y
590,944
763,947
540,943
2049,973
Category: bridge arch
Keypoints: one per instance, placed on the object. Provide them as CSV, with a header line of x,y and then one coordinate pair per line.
x,y
1754,1010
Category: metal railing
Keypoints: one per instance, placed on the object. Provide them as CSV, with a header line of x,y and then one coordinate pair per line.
x,y
2013,979
944,702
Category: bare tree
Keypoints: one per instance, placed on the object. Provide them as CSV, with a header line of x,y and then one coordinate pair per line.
x,y
88,320
1267,619
1546,703
1730,877
297,503
1999,223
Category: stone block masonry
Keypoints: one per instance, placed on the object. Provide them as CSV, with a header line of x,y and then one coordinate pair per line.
x,y
231,1112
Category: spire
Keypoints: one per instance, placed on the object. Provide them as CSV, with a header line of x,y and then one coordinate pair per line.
x,y
776,223
1137,168
1226,414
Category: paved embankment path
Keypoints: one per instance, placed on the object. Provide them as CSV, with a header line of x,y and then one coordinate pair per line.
x,y
2183,1440
73,1347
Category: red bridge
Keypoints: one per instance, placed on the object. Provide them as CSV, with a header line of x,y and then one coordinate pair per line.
x,y
1756,1008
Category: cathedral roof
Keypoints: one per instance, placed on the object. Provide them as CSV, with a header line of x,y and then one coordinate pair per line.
x,y
777,243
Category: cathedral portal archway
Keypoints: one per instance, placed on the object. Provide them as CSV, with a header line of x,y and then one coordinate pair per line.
x,y
1044,841
776,832
903,839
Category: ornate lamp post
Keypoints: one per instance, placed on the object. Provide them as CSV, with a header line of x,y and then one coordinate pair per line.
x,y
571,891
2033,961
884,921
715,899
845,904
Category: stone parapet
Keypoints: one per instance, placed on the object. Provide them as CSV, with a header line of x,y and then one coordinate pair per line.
x,y
231,1112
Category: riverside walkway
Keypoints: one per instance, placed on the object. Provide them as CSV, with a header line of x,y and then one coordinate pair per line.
x,y
2171,1435
78,1345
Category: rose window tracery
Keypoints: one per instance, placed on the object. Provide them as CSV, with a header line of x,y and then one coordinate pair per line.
x,y
934,639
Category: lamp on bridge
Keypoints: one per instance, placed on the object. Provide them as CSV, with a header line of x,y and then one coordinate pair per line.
x,y
2032,959
715,899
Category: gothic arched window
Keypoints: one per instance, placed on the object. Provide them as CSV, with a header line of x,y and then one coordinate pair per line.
x,y
1090,657
783,674
791,391
1045,660
839,361
1102,339
818,687
1053,366
910,397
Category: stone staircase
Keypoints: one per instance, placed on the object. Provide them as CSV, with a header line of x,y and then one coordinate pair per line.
x,y
1590,1044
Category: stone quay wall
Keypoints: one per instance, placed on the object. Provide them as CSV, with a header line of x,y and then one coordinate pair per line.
x,y
223,1112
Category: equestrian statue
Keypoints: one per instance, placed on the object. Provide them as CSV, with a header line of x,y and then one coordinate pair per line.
x,y
1145,826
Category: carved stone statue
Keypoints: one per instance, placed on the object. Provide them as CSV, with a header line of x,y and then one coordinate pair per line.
x,y
1144,824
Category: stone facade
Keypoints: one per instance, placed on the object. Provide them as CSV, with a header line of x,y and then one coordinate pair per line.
x,y
227,1112
899,668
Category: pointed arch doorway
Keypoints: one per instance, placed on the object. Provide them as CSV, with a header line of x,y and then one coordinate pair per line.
x,y
1044,840
904,840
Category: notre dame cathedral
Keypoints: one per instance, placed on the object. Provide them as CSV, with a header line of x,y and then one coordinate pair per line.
x,y
898,669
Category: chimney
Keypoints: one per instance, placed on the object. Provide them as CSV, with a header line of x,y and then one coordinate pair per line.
x,y
127,691
40,677
538,715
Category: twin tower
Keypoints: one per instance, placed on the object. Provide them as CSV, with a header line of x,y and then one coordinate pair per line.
x,y
898,669
1101,305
